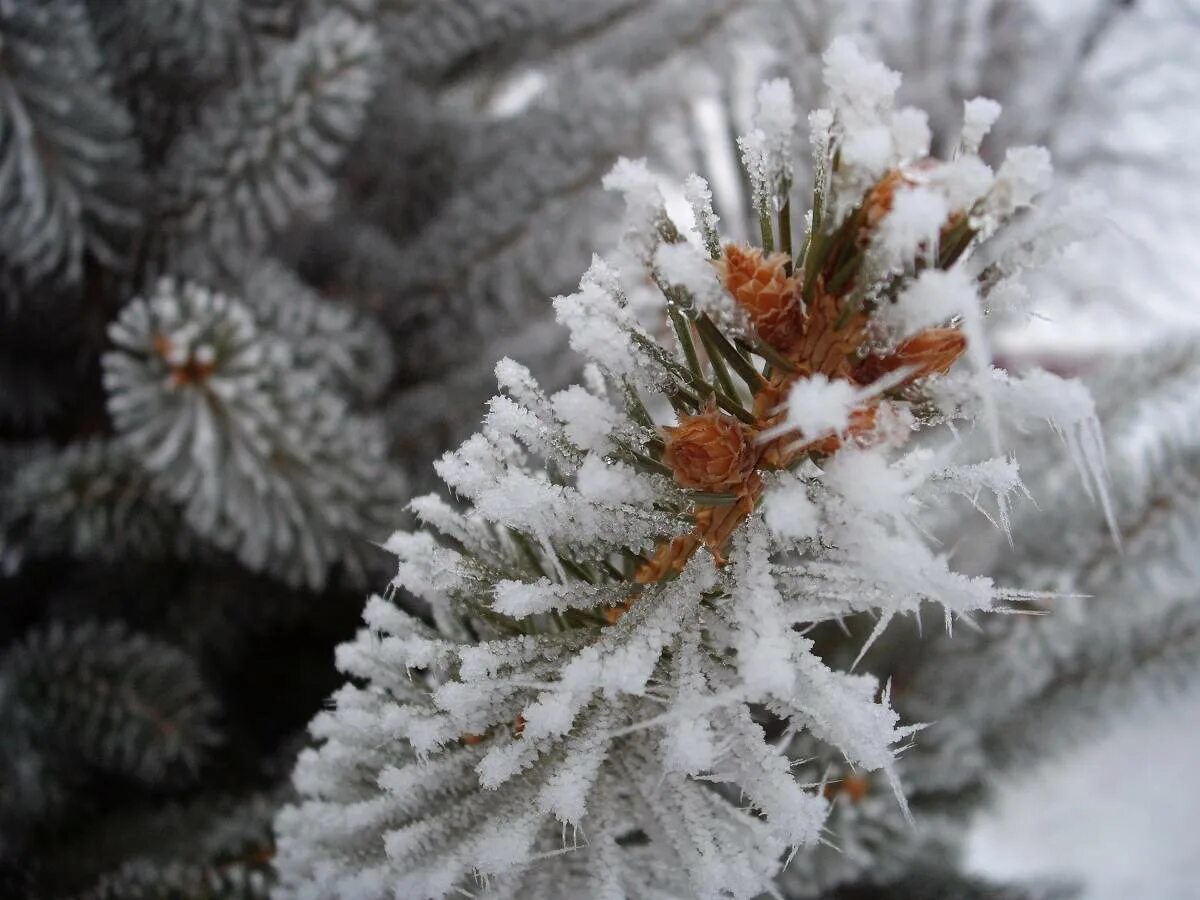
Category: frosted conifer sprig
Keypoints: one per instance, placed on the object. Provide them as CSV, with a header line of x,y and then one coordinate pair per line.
x,y
267,150
617,659
258,449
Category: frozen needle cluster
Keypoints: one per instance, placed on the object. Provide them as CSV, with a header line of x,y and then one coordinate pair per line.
x,y
618,652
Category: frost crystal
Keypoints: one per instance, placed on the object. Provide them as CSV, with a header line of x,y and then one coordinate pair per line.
x,y
934,297
1025,173
700,197
777,120
859,89
979,115
914,225
817,406
620,682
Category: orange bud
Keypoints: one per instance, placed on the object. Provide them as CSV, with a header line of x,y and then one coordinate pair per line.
x,y
932,351
879,200
191,372
762,287
709,452
856,787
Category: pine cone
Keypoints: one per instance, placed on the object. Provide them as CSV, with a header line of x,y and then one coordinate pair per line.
x,y
762,287
709,452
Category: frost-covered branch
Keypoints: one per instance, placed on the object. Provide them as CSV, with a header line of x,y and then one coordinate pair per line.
x,y
268,149
618,645
259,451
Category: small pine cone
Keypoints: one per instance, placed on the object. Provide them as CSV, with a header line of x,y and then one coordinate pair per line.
x,y
709,452
931,351
762,287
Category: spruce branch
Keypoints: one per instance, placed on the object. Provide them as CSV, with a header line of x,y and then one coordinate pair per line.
x,y
267,150
261,454
87,501
70,178
620,607
98,696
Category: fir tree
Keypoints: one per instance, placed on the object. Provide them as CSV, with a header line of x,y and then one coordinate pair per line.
x,y
624,613
194,439
168,441
257,256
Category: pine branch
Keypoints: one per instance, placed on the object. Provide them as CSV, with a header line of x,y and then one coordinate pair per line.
x,y
267,151
436,41
69,166
260,453
193,43
141,880
619,610
347,350
1023,689
509,182
87,501
98,696
216,845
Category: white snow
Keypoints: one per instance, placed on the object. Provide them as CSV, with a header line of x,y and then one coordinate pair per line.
x,y
789,512
859,88
817,406
757,161
589,420
979,115
910,133
913,226
869,149
934,298
776,119
700,198
682,265
1025,174
962,181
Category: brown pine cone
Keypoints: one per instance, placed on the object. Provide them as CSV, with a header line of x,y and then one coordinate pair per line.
x,y
763,288
709,452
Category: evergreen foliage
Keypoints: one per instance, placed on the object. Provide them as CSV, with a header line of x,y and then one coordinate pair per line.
x,y
257,258
617,647
108,699
69,162
1130,632
92,701
166,169
264,150
263,457
142,496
